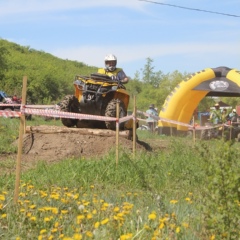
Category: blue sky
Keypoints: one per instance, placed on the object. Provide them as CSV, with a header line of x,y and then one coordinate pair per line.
x,y
133,30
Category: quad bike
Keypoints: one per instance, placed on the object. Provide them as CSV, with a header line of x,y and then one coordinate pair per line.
x,y
228,131
210,132
5,99
98,95
232,129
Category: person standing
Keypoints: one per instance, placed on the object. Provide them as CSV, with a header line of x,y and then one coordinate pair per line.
x,y
111,69
216,115
150,120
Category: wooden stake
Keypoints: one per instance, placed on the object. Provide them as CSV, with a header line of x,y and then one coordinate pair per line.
x,y
134,126
20,142
194,131
117,133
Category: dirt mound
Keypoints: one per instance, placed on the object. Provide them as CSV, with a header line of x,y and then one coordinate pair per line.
x,y
53,147
57,146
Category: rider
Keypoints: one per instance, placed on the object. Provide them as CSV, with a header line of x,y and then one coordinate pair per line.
x,y
111,69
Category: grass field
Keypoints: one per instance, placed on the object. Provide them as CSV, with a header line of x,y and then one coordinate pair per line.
x,y
187,191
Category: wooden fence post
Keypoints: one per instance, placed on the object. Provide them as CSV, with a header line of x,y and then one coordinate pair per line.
x,y
20,141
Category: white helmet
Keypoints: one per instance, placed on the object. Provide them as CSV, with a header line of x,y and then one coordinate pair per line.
x,y
110,62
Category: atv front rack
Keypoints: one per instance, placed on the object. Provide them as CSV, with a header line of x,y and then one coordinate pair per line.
x,y
96,77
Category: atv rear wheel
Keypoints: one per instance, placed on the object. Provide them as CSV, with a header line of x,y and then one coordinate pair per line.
x,y
69,104
111,110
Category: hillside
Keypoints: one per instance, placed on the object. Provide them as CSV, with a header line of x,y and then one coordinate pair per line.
x,y
49,77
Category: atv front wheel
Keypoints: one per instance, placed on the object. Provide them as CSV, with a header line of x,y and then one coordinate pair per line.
x,y
111,111
69,104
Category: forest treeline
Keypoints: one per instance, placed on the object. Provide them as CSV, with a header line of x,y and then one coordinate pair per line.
x,y
51,78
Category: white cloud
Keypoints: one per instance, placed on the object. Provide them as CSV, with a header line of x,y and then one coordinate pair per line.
x,y
94,55
16,6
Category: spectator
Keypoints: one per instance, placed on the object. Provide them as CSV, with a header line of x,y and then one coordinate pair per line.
x,y
224,116
150,120
215,115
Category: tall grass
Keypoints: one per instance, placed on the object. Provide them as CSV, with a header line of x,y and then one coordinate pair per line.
x,y
187,191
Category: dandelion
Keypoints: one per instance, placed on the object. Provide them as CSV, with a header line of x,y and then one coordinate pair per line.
x,y
43,231
116,209
80,218
161,226
77,236
152,216
54,230
105,221
64,211
81,207
96,225
2,198
54,210
188,200
89,216
147,227
212,237
89,234
178,229
186,225
32,206
46,219
126,236
33,218
4,215
173,201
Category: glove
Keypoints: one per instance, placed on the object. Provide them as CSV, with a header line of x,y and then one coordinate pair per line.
x,y
114,78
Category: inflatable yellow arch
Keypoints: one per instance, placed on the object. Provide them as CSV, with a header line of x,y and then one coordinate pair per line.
x,y
184,99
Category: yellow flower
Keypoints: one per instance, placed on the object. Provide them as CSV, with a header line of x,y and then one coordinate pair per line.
x,y
64,211
89,234
126,236
77,236
96,225
116,209
94,211
152,216
161,226
47,219
33,219
186,225
2,198
212,237
188,199
89,216
173,201
4,215
105,221
54,230
54,210
43,231
178,229
147,227
32,206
